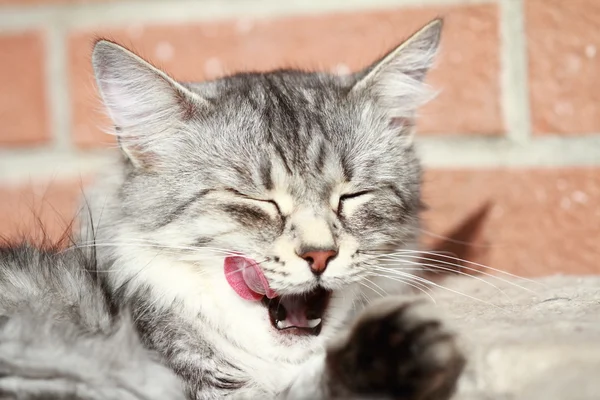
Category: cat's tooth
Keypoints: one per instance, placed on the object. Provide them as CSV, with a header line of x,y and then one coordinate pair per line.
x,y
282,324
313,322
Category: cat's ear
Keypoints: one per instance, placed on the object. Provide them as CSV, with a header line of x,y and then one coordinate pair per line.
x,y
395,82
145,104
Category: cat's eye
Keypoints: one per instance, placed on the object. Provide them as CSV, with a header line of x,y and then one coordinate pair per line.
x,y
353,195
272,202
275,204
242,195
350,196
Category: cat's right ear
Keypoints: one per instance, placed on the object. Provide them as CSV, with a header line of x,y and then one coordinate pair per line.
x,y
396,82
145,104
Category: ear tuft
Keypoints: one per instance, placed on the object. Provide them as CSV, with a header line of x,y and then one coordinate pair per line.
x,y
146,105
396,81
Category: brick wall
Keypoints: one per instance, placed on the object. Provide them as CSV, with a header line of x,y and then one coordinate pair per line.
x,y
511,145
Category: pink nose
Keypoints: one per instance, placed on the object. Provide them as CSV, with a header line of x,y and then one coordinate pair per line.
x,y
318,259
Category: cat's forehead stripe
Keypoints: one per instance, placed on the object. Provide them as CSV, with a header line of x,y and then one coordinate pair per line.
x,y
265,171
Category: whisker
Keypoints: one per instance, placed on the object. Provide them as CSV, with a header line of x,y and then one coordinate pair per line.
x,y
156,246
440,286
450,240
127,281
417,285
370,288
454,270
434,266
376,285
242,268
403,252
364,297
458,272
138,241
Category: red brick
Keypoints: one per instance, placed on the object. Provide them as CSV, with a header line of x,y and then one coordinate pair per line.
x,y
540,222
23,108
34,210
468,72
564,65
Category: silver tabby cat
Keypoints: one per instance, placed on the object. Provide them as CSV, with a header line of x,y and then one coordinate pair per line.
x,y
310,176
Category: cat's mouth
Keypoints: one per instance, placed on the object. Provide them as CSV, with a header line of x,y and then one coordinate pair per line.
x,y
292,313
298,313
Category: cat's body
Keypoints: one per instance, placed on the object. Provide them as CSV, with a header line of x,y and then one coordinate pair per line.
x,y
301,181
62,338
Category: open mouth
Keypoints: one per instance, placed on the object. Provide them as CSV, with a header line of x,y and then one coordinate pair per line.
x,y
301,313
293,313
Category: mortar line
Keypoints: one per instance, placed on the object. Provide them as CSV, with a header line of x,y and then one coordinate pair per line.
x,y
514,75
478,152
112,14
57,87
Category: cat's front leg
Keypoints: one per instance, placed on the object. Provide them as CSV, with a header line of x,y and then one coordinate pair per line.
x,y
395,351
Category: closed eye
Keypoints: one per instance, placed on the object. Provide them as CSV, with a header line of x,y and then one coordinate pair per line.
x,y
350,196
274,203
244,196
354,195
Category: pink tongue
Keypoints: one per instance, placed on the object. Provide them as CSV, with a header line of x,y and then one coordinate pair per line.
x,y
246,278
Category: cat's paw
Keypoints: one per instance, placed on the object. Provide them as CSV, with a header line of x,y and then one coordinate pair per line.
x,y
398,351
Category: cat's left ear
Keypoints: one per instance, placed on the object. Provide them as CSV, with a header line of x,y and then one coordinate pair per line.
x,y
395,82
146,105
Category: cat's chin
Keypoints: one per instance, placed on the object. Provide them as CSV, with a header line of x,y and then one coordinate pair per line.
x,y
298,314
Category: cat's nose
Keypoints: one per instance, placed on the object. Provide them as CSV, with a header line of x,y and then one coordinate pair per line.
x,y
318,259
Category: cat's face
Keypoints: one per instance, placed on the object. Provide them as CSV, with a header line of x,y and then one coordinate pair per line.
x,y
309,175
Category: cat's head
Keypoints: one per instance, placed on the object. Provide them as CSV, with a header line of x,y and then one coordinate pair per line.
x,y
308,174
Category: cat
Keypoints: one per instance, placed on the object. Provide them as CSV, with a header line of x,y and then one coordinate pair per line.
x,y
239,232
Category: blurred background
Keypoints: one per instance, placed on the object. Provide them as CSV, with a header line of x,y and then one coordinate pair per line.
x,y
511,145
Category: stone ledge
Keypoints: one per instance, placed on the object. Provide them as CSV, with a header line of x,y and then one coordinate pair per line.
x,y
537,341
